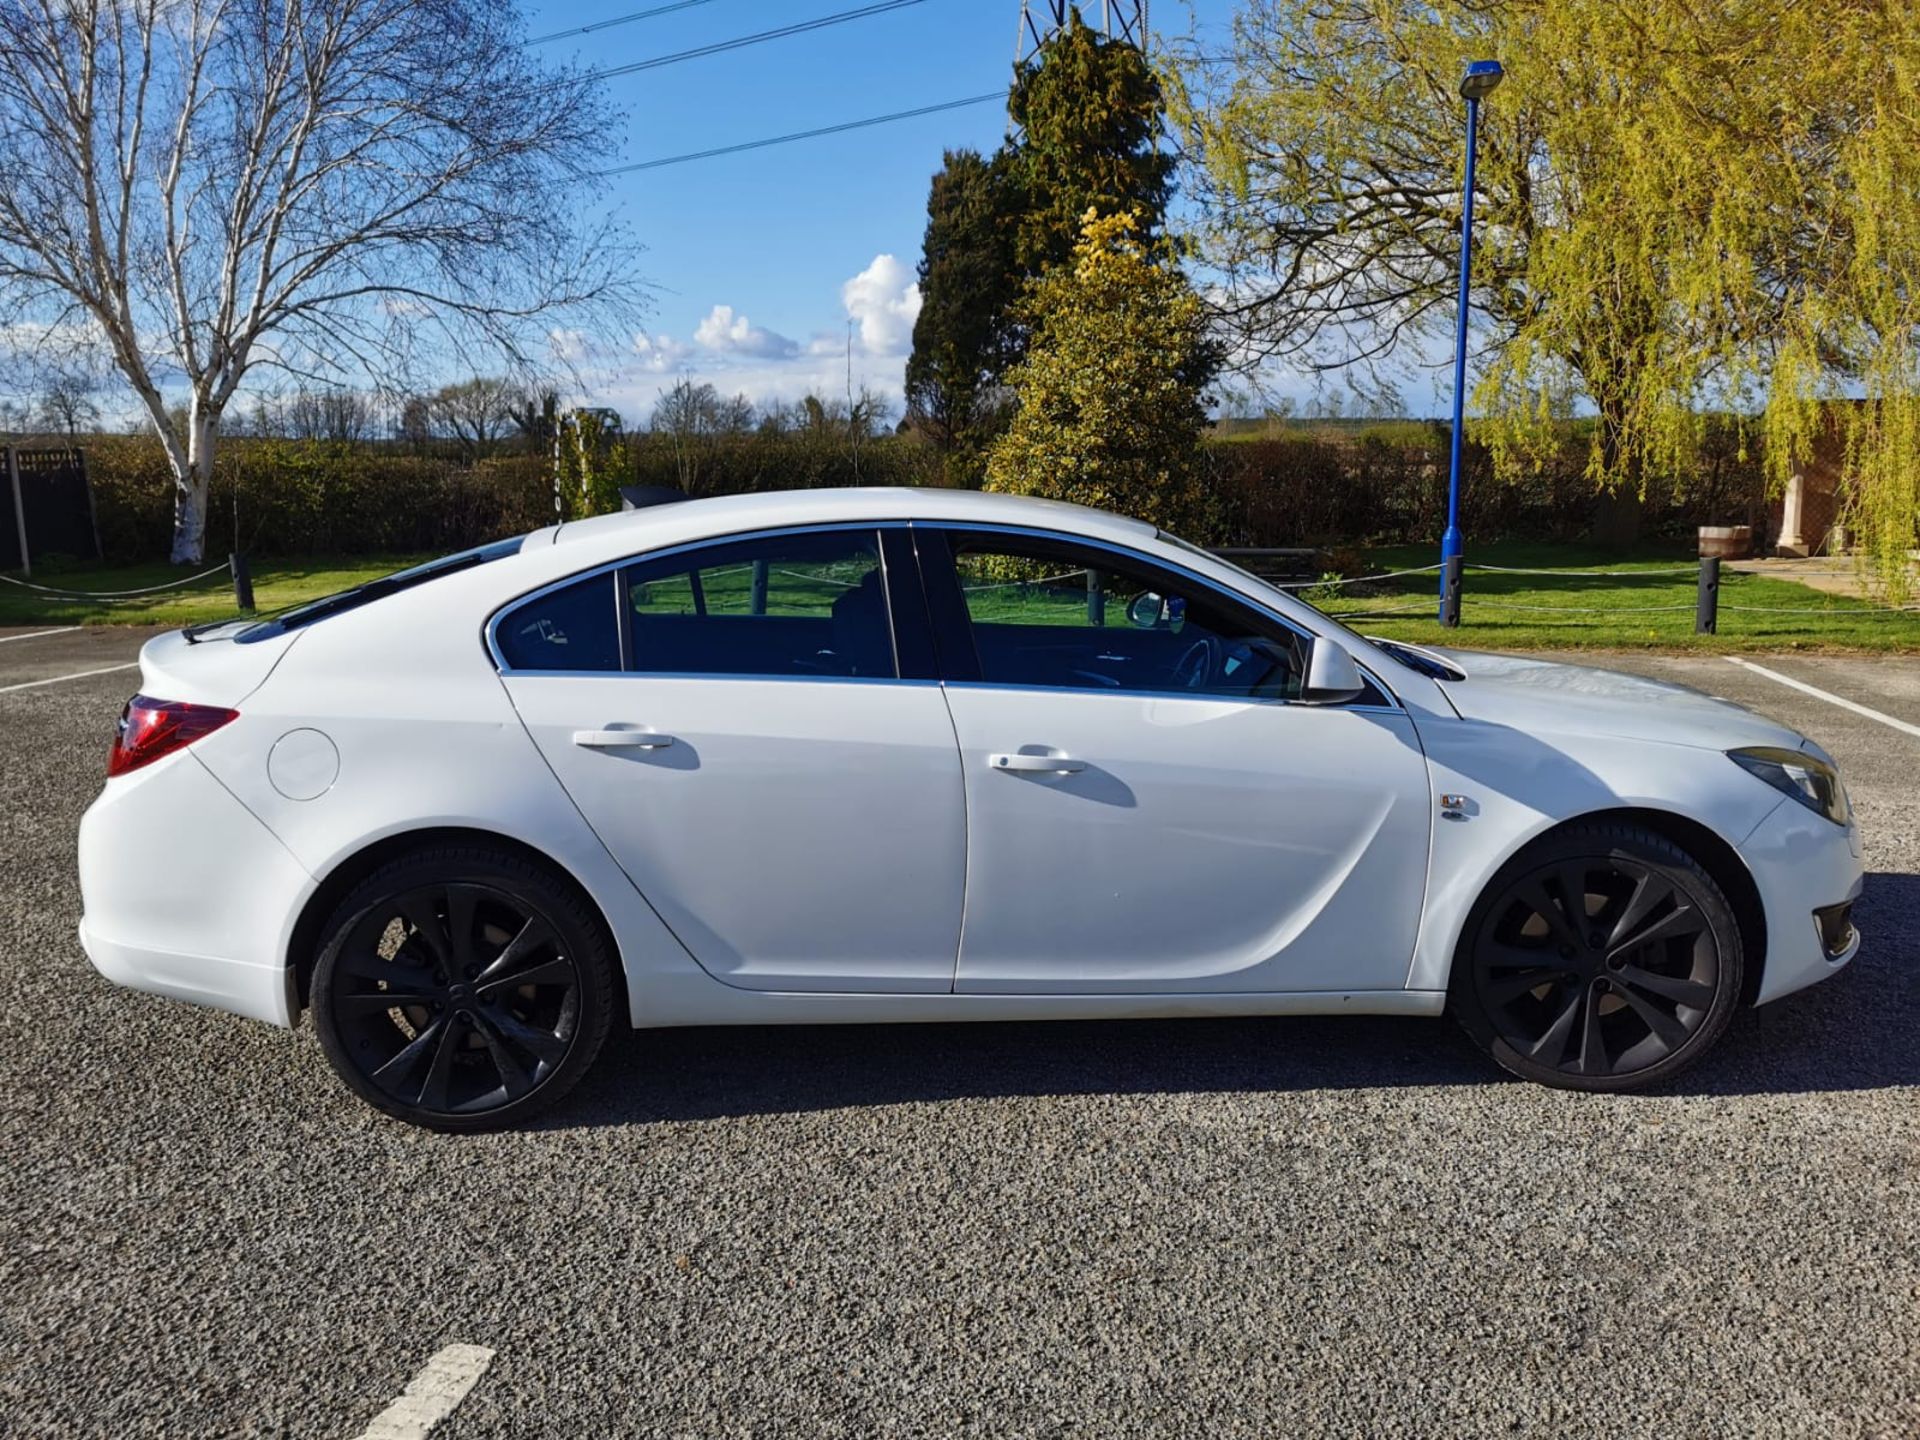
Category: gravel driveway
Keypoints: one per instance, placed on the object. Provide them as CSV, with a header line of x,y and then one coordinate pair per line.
x,y
1260,1228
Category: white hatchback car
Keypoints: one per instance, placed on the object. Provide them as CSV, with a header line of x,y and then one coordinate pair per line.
x,y
878,755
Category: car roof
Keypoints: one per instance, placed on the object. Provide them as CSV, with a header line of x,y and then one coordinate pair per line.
x,y
733,514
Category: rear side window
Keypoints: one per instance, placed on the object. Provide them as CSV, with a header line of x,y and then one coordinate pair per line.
x,y
804,605
576,627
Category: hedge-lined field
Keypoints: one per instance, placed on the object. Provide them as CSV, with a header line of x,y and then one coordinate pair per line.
x,y
1338,488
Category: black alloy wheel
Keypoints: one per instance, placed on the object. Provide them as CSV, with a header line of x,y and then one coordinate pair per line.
x,y
462,990
1604,958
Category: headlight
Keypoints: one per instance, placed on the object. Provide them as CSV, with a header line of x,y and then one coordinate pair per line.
x,y
1814,782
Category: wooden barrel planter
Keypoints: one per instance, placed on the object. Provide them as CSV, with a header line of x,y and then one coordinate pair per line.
x,y
1726,542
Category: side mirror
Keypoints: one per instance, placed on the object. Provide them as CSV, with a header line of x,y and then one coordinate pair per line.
x,y
1331,674
1146,611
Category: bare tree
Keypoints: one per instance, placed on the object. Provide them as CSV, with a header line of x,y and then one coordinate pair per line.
x,y
333,412
696,419
477,413
536,415
415,423
67,402
330,187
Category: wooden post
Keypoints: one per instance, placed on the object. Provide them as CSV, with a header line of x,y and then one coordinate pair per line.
x,y
93,515
757,599
1706,605
242,581
19,509
1096,599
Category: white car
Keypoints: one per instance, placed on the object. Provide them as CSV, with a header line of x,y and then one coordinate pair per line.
x,y
923,755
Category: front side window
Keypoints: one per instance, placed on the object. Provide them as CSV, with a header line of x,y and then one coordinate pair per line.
x,y
803,605
1050,613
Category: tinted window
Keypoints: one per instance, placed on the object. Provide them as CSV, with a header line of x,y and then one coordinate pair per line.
x,y
573,628
813,604
1053,614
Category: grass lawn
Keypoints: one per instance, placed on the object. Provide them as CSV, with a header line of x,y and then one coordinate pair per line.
x,y
1567,610
1563,610
276,585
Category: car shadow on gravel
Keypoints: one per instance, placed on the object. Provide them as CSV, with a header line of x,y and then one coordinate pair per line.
x,y
1858,1031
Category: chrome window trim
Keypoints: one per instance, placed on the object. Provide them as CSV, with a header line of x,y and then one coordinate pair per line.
x,y
606,567
727,677
1200,697
1154,562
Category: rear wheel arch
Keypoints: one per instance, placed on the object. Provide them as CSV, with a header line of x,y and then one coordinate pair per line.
x,y
303,948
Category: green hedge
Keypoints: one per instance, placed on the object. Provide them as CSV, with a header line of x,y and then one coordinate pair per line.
x,y
1303,485
1386,483
284,497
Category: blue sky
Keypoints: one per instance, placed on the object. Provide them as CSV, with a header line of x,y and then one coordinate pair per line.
x,y
762,259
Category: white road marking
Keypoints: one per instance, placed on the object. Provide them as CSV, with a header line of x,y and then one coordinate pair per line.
x,y
431,1395
1830,698
77,675
63,630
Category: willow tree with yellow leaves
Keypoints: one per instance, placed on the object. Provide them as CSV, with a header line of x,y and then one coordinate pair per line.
x,y
1683,206
1111,401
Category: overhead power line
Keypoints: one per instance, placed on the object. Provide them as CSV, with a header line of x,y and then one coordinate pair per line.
x,y
789,138
740,42
626,19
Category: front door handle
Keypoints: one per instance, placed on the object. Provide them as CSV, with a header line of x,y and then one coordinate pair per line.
x,y
621,739
1036,764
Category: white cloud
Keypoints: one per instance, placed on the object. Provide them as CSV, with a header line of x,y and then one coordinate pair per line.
x,y
733,334
761,381
727,350
658,354
884,301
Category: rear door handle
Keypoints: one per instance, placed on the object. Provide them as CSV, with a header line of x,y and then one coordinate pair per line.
x,y
1036,764
621,739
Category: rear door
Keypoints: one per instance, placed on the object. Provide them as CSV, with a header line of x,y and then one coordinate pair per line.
x,y
754,729
1150,805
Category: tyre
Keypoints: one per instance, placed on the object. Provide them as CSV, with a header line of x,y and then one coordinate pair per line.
x,y
1601,958
462,988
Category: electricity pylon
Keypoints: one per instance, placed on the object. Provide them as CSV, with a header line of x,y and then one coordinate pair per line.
x,y
1117,19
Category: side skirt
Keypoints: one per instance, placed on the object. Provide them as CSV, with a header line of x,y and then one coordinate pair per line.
x,y
660,1003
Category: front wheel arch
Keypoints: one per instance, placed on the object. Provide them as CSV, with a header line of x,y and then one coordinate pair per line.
x,y
303,947
1713,854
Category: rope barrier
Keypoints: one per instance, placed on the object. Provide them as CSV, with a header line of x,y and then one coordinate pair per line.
x,y
1823,609
1579,609
1584,574
58,594
1354,580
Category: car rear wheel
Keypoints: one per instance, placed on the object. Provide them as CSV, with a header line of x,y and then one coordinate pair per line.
x,y
462,988
1602,958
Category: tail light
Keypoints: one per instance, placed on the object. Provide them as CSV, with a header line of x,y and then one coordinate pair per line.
x,y
152,728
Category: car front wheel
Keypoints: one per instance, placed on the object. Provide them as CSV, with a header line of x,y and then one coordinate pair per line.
x,y
462,988
1601,958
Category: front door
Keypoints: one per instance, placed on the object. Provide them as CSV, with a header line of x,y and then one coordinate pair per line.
x,y
1150,806
746,749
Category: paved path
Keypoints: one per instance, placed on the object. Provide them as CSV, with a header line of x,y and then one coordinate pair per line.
x,y
1829,574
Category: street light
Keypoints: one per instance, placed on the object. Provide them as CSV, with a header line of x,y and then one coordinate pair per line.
x,y
1482,77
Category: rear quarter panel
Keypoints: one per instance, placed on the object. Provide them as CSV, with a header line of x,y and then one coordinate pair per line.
x,y
426,738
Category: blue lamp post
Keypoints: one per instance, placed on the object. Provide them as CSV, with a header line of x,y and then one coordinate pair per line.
x,y
1479,82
